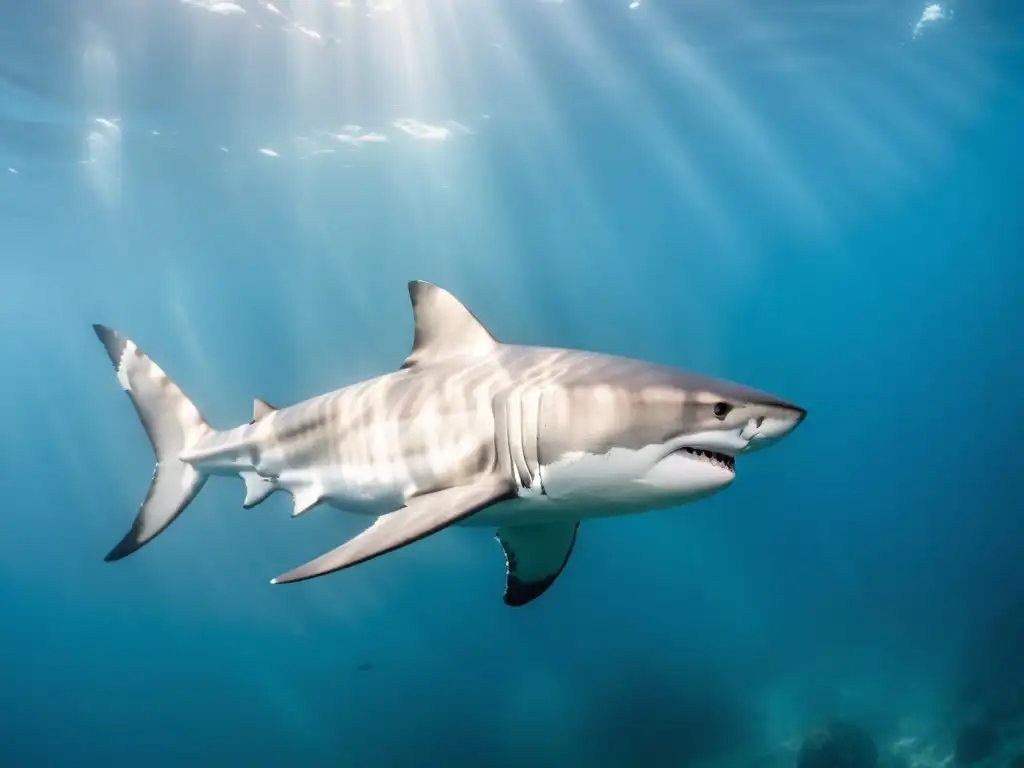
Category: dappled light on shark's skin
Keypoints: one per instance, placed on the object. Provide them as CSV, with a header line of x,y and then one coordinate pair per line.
x,y
469,431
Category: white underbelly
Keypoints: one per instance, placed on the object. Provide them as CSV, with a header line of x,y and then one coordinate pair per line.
x,y
533,510
520,511
345,488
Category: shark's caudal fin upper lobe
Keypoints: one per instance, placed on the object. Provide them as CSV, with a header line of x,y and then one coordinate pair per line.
x,y
172,423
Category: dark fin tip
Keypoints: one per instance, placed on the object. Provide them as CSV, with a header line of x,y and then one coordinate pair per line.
x,y
124,547
104,334
112,340
519,593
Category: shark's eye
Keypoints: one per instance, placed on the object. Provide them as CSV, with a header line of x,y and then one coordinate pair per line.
x,y
722,410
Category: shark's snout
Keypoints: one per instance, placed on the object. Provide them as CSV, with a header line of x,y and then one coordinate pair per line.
x,y
774,425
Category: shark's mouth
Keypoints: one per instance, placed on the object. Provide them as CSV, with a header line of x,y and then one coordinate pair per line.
x,y
712,457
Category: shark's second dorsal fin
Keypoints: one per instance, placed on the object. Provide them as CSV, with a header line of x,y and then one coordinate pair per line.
x,y
261,408
444,327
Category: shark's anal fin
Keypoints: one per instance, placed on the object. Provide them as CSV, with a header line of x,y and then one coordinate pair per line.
x,y
420,517
534,556
257,488
305,498
260,408
443,327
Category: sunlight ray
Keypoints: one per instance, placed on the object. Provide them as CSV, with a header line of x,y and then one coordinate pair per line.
x,y
543,145
850,128
102,150
617,83
764,152
959,87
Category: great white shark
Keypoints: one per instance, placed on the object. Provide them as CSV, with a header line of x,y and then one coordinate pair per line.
x,y
468,431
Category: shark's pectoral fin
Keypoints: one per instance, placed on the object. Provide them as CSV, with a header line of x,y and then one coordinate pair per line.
x,y
534,556
420,517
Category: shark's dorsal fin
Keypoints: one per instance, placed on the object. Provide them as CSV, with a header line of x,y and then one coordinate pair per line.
x,y
261,408
444,327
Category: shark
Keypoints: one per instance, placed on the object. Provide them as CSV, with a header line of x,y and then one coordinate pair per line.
x,y
467,431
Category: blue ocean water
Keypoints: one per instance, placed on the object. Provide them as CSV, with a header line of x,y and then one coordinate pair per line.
x,y
822,200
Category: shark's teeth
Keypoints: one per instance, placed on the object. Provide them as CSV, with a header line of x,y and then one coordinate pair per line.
x,y
713,457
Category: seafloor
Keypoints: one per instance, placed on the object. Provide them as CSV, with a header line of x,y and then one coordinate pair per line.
x,y
968,710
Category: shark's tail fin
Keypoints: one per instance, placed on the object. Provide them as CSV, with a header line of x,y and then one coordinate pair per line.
x,y
173,423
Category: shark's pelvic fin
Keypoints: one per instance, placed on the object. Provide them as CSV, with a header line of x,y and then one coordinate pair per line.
x,y
534,556
257,488
172,423
443,327
305,498
260,408
420,517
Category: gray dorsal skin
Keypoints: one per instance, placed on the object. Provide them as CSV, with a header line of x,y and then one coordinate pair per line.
x,y
468,432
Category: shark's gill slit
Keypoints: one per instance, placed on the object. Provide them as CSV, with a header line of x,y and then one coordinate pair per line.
x,y
521,407
540,463
508,442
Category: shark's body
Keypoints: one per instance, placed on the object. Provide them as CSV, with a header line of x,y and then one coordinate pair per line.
x,y
467,432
